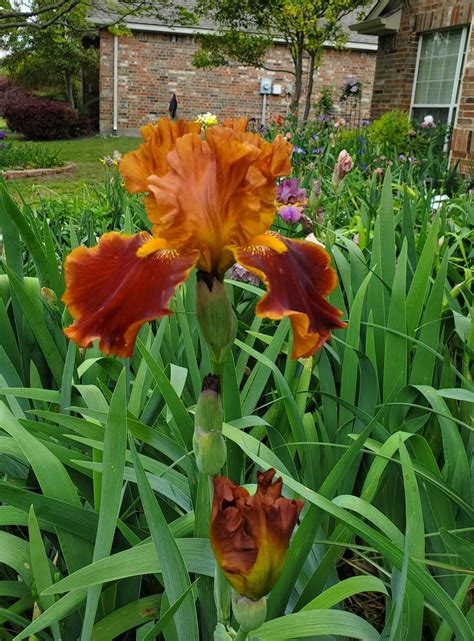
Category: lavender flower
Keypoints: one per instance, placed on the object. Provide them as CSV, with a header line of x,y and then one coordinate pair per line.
x,y
3,135
238,272
298,150
290,192
290,213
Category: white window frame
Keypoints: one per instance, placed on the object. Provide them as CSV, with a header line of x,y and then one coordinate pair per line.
x,y
453,104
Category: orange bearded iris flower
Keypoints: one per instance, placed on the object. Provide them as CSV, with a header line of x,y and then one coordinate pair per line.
x,y
211,202
250,534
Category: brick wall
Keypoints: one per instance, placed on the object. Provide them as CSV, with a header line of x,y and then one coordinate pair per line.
x,y
462,145
153,66
396,61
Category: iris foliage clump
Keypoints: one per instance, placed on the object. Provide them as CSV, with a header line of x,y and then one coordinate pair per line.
x,y
99,537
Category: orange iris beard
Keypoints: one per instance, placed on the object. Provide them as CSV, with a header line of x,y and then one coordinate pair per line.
x,y
211,202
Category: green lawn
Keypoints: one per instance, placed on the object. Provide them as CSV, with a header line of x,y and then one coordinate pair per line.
x,y
85,153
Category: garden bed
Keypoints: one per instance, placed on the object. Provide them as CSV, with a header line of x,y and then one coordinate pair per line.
x,y
15,174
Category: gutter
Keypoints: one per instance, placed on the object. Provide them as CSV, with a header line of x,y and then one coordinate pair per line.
x,y
191,31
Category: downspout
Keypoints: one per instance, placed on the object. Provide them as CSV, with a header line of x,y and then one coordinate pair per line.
x,y
115,87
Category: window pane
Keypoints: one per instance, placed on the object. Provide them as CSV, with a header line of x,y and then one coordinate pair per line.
x,y
449,67
445,93
436,84
453,42
424,69
439,114
421,92
432,93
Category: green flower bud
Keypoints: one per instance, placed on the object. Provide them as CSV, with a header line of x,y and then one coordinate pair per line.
x,y
215,315
210,450
208,442
209,412
250,614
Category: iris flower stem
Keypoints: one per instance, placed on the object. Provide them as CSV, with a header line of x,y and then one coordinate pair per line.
x,y
241,635
202,512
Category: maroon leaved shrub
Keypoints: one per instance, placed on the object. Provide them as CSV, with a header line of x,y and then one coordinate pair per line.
x,y
40,119
5,86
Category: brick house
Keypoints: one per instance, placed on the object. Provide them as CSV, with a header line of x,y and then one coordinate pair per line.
x,y
425,65
139,74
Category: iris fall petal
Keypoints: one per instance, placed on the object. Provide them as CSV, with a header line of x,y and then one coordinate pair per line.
x,y
297,281
110,292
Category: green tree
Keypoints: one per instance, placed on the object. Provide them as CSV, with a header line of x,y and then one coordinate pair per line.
x,y
247,29
52,57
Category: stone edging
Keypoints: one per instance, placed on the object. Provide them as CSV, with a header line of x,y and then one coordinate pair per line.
x,y
13,174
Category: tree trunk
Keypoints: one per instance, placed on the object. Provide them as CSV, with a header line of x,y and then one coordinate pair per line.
x,y
80,93
309,87
70,90
298,63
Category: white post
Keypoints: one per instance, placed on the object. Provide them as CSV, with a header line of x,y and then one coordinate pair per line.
x,y
264,108
115,86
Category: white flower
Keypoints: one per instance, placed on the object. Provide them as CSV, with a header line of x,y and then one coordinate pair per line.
x,y
311,238
437,201
428,121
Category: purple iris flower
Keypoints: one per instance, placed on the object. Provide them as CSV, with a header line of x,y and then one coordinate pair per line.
x,y
3,135
290,213
238,272
298,150
290,192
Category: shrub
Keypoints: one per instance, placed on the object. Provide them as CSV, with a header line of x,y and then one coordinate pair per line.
x,y
40,119
391,129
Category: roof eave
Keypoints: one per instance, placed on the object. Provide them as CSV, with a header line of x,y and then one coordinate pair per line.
x,y
379,26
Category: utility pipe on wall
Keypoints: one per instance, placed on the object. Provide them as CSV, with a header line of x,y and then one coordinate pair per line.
x,y
115,86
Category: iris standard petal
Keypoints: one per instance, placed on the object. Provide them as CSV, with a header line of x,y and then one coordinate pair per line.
x,y
218,192
297,281
110,292
150,159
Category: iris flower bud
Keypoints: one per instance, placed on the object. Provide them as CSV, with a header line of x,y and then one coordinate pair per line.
x,y
208,442
250,534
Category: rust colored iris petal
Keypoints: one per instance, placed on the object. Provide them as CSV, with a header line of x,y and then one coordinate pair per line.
x,y
297,281
151,157
110,292
250,534
218,192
